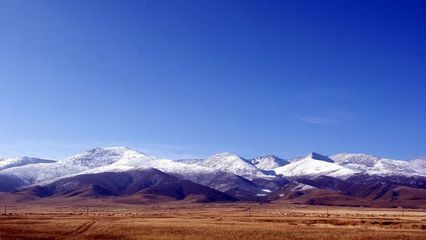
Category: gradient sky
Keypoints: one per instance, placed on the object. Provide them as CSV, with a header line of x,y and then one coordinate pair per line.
x,y
192,78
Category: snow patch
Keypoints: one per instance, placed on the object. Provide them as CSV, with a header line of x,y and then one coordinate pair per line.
x,y
302,187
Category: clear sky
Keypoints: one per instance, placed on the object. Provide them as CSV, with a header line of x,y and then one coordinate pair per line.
x,y
192,78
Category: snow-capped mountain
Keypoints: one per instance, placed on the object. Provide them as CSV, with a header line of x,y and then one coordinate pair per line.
x,y
119,159
376,165
40,172
122,159
314,165
100,157
20,161
137,186
265,177
51,171
268,162
219,180
232,163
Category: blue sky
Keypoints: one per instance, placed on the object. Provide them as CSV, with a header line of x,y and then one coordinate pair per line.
x,y
192,78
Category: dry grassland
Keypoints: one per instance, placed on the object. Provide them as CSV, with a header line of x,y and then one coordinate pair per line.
x,y
211,221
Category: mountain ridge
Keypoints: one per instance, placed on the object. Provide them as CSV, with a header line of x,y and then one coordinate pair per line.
x,y
243,179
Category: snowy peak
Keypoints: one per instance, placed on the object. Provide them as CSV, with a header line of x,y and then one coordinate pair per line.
x,y
419,161
314,165
225,159
122,159
355,158
268,162
317,156
232,163
99,157
227,155
6,163
379,166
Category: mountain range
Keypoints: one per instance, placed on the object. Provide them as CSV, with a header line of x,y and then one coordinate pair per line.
x,y
121,174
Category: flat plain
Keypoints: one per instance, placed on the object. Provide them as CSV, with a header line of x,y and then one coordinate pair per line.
x,y
210,221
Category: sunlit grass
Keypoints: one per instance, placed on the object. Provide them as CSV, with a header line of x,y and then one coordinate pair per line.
x,y
213,222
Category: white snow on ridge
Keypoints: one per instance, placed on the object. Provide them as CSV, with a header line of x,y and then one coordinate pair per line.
x,y
21,161
99,157
269,162
165,165
419,165
40,172
124,159
193,172
101,160
231,163
311,167
92,159
377,166
121,159
357,160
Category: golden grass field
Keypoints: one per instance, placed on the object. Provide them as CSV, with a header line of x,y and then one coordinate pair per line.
x,y
211,221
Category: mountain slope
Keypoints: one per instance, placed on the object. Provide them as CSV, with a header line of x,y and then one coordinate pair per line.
x,y
367,190
10,183
133,184
236,185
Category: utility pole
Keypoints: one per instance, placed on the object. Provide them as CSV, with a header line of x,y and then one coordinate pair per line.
x,y
402,211
170,212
